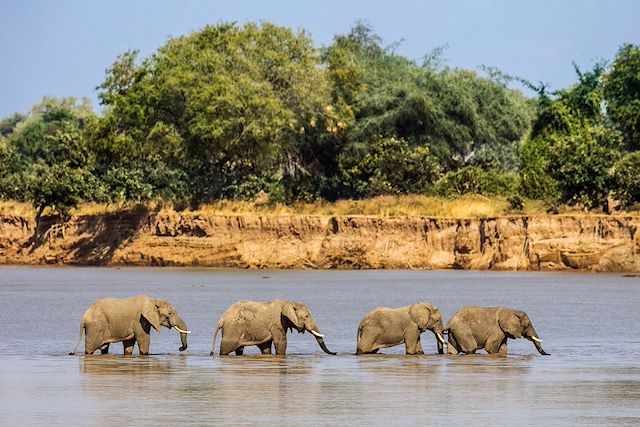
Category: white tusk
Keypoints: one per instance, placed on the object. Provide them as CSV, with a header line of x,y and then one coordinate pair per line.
x,y
316,333
536,339
181,331
440,337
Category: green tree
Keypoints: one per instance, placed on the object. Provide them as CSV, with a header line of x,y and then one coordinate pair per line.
x,y
536,181
472,179
581,163
626,176
572,147
48,159
390,167
456,116
622,94
229,106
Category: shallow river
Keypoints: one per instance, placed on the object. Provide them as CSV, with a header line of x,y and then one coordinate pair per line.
x,y
589,323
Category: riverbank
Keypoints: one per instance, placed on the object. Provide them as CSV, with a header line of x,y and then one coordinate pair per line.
x,y
190,238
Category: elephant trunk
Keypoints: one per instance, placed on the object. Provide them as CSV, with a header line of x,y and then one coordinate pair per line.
x,y
181,327
322,345
311,326
536,341
531,334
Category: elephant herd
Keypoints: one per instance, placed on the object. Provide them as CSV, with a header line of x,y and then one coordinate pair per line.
x,y
265,325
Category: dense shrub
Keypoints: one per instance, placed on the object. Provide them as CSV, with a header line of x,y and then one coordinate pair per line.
x,y
471,179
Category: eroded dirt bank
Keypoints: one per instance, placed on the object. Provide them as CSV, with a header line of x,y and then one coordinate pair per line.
x,y
596,243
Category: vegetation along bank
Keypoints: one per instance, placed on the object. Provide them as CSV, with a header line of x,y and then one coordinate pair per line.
x,y
231,111
258,112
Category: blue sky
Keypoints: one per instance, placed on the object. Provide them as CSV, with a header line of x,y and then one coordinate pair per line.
x,y
62,47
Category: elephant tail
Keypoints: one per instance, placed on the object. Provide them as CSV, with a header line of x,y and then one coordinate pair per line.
x,y
82,324
215,336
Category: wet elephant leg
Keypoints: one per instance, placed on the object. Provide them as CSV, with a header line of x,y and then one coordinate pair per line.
x,y
366,343
92,339
496,343
412,342
128,346
503,349
465,340
419,349
265,348
279,341
240,351
227,346
144,342
104,349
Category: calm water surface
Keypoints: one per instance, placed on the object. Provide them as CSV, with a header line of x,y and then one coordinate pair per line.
x,y
589,323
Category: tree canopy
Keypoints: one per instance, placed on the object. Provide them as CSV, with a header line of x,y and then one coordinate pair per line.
x,y
231,110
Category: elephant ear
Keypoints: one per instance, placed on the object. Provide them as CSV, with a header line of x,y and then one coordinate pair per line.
x,y
289,311
510,323
420,314
150,312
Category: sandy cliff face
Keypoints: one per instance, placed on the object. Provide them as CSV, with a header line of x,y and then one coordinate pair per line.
x,y
596,243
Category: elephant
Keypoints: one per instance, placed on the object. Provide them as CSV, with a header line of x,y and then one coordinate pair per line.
x,y
473,328
263,324
387,327
128,320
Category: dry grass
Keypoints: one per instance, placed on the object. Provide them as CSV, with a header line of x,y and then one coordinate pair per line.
x,y
467,206
17,208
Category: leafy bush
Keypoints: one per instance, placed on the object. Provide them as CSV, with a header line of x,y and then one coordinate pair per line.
x,y
535,179
626,176
472,179
389,166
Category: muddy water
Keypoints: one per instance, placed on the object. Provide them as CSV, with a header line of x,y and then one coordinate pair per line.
x,y
589,323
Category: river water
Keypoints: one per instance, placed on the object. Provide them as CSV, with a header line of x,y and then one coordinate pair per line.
x,y
589,323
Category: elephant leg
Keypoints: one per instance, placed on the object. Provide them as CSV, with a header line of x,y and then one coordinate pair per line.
x,y
227,346
104,349
240,351
128,346
495,343
412,342
367,343
419,349
503,349
89,346
465,340
93,339
280,341
144,341
265,348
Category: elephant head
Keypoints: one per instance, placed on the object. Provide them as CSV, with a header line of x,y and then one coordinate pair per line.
x,y
516,324
161,313
296,316
427,316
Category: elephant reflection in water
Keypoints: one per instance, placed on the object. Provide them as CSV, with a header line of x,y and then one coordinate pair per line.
x,y
474,328
128,320
114,366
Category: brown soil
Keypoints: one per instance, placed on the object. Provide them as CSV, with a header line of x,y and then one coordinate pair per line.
x,y
168,238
